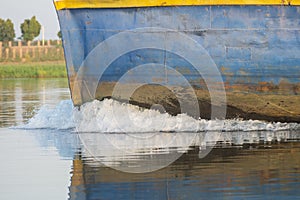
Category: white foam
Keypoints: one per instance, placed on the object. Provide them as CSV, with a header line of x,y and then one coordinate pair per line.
x,y
112,116
60,117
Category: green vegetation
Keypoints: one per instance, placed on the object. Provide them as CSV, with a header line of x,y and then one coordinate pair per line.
x,y
33,70
7,31
59,35
18,61
30,29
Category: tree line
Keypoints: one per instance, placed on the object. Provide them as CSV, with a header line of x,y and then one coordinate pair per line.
x,y
30,29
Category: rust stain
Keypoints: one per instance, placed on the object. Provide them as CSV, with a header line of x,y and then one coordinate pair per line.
x,y
183,70
158,80
265,87
225,71
74,86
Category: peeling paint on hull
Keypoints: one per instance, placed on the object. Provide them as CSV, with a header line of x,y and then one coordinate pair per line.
x,y
256,49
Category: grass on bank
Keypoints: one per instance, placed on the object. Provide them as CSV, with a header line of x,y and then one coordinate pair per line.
x,y
33,70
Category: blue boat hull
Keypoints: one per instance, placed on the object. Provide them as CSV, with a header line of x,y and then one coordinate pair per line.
x,y
240,61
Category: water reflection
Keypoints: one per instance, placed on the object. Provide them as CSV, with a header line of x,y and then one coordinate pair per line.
x,y
236,165
19,98
145,152
30,170
135,152
240,165
58,164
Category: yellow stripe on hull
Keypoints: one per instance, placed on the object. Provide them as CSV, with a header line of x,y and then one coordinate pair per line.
x,y
73,4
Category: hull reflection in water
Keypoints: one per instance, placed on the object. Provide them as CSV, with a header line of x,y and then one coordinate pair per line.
x,y
207,165
136,152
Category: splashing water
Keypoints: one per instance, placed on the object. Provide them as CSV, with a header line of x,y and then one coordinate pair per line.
x,y
112,116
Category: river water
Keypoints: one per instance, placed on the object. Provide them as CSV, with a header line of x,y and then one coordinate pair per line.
x,y
107,150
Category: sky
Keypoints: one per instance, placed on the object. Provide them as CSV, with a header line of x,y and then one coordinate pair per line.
x,y
19,10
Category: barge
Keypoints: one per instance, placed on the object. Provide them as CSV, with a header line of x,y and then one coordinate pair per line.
x,y
209,59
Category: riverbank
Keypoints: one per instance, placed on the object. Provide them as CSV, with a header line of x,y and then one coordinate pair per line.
x,y
49,69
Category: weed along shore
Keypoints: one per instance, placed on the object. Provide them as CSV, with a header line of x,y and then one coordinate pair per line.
x,y
47,69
